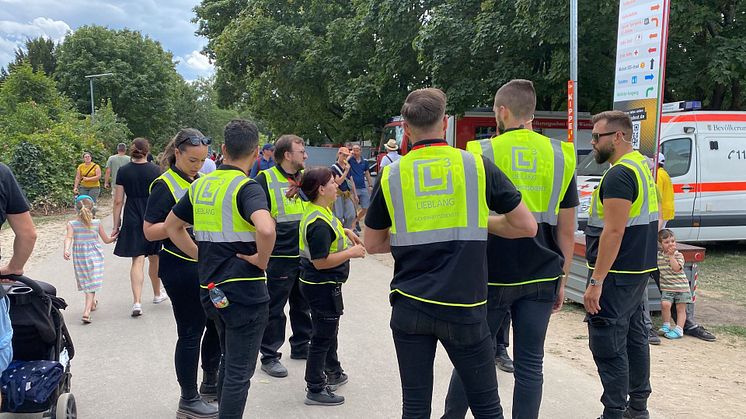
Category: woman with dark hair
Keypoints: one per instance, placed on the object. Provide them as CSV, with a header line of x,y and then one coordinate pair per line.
x,y
326,249
133,182
182,159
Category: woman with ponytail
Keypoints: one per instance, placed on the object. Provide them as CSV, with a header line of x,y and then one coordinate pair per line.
x,y
181,161
325,249
88,258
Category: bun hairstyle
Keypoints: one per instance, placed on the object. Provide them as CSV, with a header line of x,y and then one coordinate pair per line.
x,y
168,157
85,211
140,148
310,183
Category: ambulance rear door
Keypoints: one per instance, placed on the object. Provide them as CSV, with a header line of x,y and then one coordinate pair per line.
x,y
721,193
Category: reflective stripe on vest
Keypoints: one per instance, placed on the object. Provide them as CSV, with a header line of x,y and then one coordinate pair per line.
x,y
283,209
436,194
214,202
175,183
524,153
315,212
644,209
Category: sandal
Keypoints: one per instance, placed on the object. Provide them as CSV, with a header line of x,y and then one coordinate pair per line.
x,y
86,319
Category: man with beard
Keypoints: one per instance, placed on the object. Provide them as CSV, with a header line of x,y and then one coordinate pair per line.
x,y
284,265
526,276
621,253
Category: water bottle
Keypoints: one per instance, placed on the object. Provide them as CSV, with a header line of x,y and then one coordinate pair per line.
x,y
219,300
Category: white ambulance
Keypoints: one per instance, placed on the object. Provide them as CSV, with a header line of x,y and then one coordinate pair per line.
x,y
705,155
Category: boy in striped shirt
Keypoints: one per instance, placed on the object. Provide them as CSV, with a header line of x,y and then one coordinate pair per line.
x,y
674,285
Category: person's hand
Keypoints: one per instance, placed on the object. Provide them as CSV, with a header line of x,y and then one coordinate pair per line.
x,y
253,259
66,255
106,185
591,299
7,270
357,251
557,306
114,232
353,237
75,191
114,235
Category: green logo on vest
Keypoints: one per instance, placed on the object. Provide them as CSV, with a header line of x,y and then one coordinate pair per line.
x,y
432,177
208,194
524,159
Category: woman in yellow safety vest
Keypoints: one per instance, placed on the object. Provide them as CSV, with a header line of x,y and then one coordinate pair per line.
x,y
325,249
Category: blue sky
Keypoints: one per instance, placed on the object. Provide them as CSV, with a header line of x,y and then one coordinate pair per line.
x,y
166,21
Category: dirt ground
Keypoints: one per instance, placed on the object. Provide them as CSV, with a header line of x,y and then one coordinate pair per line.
x,y
690,378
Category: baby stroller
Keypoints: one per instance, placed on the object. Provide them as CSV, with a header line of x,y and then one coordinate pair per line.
x,y
40,334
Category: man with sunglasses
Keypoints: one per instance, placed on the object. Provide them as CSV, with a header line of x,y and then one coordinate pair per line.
x,y
621,254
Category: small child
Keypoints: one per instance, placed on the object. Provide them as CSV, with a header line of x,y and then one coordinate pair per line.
x,y
674,285
88,257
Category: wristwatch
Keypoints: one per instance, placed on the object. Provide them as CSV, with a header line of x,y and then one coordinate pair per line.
x,y
593,282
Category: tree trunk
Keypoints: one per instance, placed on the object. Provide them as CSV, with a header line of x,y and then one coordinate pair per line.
x,y
735,91
718,94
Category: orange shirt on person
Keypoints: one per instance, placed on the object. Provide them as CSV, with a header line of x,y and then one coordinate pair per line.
x,y
88,170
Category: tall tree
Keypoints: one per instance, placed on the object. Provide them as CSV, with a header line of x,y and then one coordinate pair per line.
x,y
143,87
38,52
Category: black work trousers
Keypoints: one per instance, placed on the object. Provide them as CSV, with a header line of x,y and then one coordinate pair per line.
x,y
529,307
179,277
283,286
502,336
618,340
240,328
325,313
470,348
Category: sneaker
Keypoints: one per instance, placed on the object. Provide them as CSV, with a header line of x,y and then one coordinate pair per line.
x,y
632,413
160,298
664,329
653,338
209,392
275,368
701,333
674,334
196,408
334,381
323,398
136,310
503,361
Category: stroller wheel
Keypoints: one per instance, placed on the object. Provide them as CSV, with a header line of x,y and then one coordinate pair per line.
x,y
66,408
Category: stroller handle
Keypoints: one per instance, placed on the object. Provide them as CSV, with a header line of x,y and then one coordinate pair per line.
x,y
25,281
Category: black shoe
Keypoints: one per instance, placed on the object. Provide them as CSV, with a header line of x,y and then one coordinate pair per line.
x,y
196,408
323,398
209,391
632,413
300,354
701,333
653,338
275,368
503,361
334,381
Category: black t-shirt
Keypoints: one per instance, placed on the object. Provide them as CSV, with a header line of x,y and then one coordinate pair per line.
x,y
337,171
286,243
639,242
12,199
452,260
218,261
319,236
512,261
160,203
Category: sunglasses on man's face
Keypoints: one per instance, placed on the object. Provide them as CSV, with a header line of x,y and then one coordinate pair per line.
x,y
195,140
597,136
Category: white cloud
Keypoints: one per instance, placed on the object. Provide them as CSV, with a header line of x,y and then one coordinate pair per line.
x,y
199,62
14,34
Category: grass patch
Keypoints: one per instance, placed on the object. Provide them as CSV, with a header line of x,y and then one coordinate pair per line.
x,y
723,270
738,331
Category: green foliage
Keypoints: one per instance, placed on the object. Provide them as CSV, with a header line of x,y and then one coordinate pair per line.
x,y
143,87
43,137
